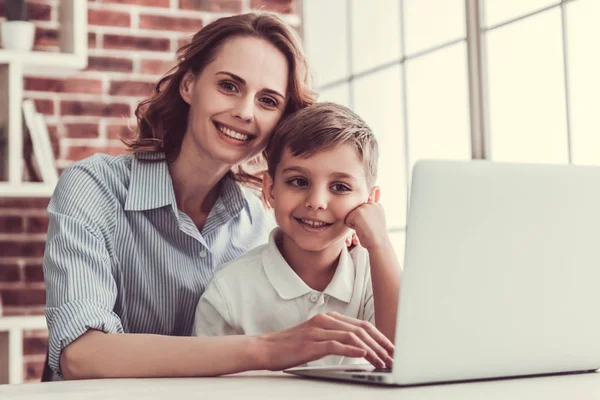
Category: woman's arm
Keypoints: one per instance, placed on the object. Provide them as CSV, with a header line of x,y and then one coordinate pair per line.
x,y
99,355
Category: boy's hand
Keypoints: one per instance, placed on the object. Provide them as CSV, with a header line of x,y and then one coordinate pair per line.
x,y
368,221
324,335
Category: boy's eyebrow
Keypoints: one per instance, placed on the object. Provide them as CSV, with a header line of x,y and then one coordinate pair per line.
x,y
338,175
343,175
243,82
295,169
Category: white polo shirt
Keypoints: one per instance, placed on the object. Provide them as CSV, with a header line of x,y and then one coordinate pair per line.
x,y
260,293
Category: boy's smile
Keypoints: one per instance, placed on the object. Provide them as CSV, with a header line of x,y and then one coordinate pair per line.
x,y
313,225
312,196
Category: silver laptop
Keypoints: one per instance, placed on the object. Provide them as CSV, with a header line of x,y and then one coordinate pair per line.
x,y
501,275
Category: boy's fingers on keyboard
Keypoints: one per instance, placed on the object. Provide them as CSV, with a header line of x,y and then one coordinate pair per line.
x,y
372,330
333,347
365,331
377,358
350,333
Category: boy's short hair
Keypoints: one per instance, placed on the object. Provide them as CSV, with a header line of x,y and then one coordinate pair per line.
x,y
323,126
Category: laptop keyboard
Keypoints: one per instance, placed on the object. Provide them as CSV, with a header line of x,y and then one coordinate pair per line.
x,y
384,370
378,370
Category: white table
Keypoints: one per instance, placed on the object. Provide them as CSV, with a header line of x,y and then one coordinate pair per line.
x,y
277,385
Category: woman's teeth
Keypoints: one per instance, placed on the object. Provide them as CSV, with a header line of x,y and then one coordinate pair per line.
x,y
233,134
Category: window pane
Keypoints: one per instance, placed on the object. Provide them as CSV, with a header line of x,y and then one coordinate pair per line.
x,y
375,33
378,100
398,241
584,80
326,45
498,11
527,113
339,94
438,105
429,23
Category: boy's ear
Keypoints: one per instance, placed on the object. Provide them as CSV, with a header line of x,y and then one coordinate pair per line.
x,y
375,194
185,87
268,188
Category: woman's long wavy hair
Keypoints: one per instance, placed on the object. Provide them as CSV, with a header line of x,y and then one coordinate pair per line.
x,y
162,117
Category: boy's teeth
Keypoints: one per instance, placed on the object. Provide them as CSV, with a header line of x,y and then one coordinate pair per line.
x,y
233,134
313,223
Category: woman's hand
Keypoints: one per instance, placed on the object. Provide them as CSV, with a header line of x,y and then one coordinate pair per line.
x,y
324,335
352,241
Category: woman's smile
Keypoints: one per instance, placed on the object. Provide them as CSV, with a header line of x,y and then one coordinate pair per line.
x,y
239,136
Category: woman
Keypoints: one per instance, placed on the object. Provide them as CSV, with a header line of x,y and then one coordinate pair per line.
x,y
133,240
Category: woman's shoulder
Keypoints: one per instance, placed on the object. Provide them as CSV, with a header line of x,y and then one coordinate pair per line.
x,y
97,179
257,208
103,164
242,269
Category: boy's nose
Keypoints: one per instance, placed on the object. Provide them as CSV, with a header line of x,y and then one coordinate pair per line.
x,y
316,199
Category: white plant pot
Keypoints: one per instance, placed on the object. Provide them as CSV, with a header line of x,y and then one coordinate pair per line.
x,y
18,35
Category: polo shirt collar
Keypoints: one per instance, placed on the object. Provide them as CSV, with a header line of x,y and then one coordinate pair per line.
x,y
290,286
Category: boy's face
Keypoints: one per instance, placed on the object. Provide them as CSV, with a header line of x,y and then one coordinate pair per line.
x,y
312,196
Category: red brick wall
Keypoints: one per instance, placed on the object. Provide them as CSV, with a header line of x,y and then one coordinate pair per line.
x,y
131,44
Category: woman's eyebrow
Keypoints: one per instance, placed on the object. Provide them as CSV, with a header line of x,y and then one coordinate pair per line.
x,y
243,82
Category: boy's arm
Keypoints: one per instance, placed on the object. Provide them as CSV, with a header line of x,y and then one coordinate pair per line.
x,y
213,314
368,221
385,277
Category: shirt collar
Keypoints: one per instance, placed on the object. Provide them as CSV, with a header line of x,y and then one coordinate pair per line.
x,y
233,198
342,284
290,286
151,185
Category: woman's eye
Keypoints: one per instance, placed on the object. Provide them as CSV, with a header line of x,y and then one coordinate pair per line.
x,y
299,182
339,187
269,102
228,86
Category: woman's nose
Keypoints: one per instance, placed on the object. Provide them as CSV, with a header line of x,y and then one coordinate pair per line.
x,y
245,109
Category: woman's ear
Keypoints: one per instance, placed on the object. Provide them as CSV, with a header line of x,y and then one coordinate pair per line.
x,y
375,194
186,87
268,188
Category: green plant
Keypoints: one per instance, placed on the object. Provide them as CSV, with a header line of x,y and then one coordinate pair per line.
x,y
16,10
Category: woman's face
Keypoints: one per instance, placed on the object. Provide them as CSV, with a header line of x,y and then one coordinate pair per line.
x,y
236,101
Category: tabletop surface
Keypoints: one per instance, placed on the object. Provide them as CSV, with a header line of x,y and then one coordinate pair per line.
x,y
278,385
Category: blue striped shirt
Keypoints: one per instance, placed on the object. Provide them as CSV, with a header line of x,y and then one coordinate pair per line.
x,y
120,257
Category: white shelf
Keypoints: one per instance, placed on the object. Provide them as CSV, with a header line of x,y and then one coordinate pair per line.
x,y
43,59
73,41
11,345
72,55
26,189
22,323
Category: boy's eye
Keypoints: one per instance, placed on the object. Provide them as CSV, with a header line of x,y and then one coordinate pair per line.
x,y
269,102
228,86
299,182
340,187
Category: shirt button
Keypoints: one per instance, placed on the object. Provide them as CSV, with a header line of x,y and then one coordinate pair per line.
x,y
314,298
203,253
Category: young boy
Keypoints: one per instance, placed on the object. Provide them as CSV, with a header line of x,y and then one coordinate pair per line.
x,y
322,164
